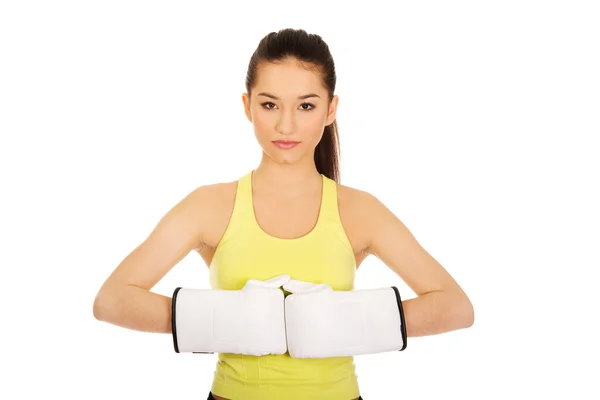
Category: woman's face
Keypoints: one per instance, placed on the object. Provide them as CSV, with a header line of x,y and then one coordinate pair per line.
x,y
289,103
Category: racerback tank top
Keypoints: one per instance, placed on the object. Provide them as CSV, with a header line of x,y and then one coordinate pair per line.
x,y
324,255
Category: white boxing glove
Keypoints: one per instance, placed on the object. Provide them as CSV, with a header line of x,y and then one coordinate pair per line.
x,y
249,321
322,322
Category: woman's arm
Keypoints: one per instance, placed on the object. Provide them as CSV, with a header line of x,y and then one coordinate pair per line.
x,y
125,298
441,304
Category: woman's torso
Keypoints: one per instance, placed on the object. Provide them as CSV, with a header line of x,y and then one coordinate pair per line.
x,y
317,236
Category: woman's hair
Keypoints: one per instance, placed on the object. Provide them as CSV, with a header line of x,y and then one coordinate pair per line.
x,y
313,52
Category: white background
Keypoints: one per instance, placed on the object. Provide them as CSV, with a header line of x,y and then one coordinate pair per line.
x,y
476,122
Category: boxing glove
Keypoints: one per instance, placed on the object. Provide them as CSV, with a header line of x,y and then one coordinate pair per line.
x,y
248,321
322,322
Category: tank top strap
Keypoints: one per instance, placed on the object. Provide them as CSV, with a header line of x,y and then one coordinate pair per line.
x,y
243,211
329,201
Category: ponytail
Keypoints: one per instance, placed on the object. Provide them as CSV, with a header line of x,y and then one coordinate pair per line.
x,y
327,153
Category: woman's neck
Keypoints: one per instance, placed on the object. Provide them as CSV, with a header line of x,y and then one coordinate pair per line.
x,y
292,179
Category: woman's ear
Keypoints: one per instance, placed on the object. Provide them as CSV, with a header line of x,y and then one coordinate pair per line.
x,y
246,101
331,113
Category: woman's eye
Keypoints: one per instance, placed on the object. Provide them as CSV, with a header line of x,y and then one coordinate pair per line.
x,y
307,104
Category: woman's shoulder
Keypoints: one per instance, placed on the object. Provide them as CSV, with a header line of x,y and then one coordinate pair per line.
x,y
358,209
350,197
212,196
203,200
208,206
216,190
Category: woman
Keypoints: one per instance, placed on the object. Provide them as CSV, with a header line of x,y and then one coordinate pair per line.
x,y
288,216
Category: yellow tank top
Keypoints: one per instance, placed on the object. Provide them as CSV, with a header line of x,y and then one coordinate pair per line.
x,y
324,255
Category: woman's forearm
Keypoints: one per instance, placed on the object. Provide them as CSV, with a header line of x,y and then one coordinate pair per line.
x,y
134,308
437,312
139,309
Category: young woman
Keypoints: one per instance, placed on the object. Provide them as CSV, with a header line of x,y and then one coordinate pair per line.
x,y
290,215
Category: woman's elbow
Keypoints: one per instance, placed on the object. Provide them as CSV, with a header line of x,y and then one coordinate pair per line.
x,y
103,303
465,311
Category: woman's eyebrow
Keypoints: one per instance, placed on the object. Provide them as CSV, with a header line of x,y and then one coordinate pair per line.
x,y
306,96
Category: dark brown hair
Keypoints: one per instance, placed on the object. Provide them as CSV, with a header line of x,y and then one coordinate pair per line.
x,y
312,50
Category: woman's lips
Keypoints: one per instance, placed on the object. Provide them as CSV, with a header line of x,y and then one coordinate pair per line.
x,y
285,144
